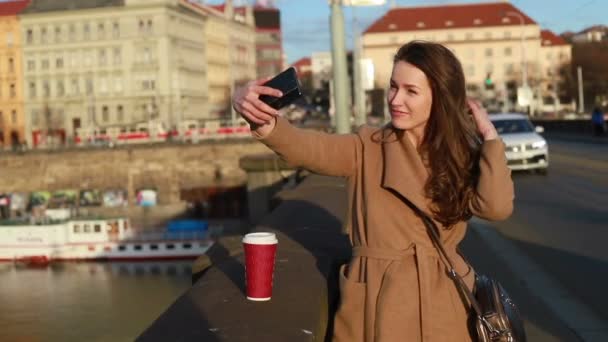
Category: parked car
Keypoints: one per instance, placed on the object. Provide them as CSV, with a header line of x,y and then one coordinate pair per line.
x,y
526,149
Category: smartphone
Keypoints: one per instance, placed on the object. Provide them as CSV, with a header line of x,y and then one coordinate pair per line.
x,y
288,83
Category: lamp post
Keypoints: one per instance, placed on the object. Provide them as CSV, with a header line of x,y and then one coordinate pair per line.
x,y
524,68
340,73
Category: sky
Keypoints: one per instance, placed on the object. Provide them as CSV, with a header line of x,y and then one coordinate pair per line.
x,y
305,23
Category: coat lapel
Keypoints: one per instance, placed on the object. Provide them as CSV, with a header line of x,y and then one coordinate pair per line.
x,y
404,171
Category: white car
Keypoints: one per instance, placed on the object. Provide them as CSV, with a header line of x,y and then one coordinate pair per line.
x,y
525,148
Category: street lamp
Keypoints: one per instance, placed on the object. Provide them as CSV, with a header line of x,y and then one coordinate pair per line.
x,y
524,74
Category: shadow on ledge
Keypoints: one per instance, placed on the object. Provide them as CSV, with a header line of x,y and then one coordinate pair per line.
x,y
308,224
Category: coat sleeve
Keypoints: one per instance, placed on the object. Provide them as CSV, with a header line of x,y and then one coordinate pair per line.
x,y
495,192
322,153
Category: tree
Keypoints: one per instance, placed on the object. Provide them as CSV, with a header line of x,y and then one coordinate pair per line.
x,y
592,57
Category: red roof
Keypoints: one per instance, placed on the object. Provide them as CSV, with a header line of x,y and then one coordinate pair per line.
x,y
304,61
13,7
551,39
448,16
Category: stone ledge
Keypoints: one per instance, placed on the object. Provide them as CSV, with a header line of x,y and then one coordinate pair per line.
x,y
308,224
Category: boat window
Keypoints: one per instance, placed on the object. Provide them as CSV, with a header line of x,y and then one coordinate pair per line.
x,y
122,248
97,228
154,247
170,246
87,228
137,247
187,245
76,228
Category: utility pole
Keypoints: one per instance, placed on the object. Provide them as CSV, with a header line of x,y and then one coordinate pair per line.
x,y
340,73
581,96
358,93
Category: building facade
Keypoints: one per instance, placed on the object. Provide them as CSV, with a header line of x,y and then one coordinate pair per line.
x,y
497,44
12,119
269,41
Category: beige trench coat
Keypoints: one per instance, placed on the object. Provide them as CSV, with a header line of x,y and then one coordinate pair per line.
x,y
395,287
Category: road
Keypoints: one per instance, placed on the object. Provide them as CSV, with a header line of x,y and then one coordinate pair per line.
x,y
560,222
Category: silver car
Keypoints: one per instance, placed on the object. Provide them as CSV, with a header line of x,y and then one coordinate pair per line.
x,y
526,149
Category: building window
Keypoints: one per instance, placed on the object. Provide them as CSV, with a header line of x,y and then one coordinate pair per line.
x,y
72,32
149,26
120,115
549,56
147,56
57,34
29,36
105,114
75,86
9,39
116,30
508,51
43,35
142,26
11,64
101,31
91,112
45,64
470,70
31,65
46,88
148,85
489,67
102,57
60,88
103,85
489,52
32,90
87,58
59,62
450,37
12,90
74,58
117,56
469,36
488,35
86,31
35,117
118,84
14,116
509,68
507,34
89,86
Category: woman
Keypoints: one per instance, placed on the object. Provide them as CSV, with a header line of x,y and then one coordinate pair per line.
x,y
433,155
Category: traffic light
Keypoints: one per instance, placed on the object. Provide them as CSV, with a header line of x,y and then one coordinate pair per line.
x,y
488,81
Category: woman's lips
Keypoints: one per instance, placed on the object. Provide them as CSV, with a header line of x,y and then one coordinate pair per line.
x,y
399,113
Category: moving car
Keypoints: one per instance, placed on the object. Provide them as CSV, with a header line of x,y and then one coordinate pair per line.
x,y
526,149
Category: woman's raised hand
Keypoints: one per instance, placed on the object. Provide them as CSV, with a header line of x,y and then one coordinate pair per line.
x,y
482,120
246,102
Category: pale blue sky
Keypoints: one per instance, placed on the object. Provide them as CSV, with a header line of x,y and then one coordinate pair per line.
x,y
306,22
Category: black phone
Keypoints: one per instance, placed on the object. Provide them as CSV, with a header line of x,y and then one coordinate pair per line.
x,y
288,83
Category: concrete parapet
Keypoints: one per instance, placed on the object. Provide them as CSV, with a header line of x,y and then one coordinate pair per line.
x,y
308,224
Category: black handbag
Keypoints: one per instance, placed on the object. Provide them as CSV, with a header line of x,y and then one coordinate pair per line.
x,y
494,317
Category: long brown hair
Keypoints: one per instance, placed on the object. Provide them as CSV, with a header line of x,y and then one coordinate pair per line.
x,y
451,145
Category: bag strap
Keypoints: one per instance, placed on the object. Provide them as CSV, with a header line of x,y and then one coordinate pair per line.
x,y
433,231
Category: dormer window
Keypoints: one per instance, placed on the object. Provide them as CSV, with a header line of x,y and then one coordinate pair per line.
x,y
506,20
449,23
420,24
392,26
477,21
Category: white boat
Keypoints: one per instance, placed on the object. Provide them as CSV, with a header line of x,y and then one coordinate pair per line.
x,y
96,239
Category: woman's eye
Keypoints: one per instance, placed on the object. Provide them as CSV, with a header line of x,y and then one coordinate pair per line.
x,y
412,92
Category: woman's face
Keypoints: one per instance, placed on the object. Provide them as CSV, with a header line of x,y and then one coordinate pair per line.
x,y
409,97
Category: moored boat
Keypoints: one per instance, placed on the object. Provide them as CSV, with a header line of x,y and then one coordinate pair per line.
x,y
97,239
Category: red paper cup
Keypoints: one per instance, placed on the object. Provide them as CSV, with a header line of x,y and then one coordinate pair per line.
x,y
260,251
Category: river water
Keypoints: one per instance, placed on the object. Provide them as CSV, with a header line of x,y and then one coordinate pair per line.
x,y
86,301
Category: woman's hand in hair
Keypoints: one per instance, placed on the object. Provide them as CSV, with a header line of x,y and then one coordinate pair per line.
x,y
482,120
246,102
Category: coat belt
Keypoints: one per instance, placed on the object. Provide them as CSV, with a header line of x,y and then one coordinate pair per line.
x,y
424,258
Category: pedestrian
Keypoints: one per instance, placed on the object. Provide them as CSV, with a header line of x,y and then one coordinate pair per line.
x,y
597,120
440,154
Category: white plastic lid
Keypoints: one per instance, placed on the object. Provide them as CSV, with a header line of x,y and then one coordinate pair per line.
x,y
261,238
